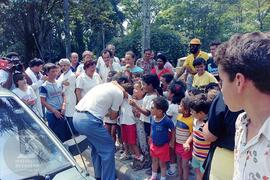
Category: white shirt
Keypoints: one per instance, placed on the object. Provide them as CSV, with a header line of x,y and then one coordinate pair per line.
x,y
36,84
80,69
85,83
69,92
103,70
173,112
100,99
147,101
27,95
126,114
252,158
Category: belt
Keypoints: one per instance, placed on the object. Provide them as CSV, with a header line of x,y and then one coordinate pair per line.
x,y
87,112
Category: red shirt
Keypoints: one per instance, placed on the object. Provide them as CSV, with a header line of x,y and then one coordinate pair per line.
x,y
160,73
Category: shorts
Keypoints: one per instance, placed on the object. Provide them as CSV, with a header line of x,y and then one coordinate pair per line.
x,y
197,164
179,150
160,152
129,134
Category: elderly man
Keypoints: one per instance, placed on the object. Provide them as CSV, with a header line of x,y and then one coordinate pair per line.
x,y
74,59
68,79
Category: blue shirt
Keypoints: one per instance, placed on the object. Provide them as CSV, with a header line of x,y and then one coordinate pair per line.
x,y
160,130
53,94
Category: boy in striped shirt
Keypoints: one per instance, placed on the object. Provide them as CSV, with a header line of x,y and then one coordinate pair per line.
x,y
199,106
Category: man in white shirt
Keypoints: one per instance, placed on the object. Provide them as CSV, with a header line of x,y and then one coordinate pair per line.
x,y
106,64
101,100
34,73
68,79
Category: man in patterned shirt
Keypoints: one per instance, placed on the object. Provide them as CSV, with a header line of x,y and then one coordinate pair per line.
x,y
146,63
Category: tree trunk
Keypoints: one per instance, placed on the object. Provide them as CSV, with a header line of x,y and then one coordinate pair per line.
x,y
146,25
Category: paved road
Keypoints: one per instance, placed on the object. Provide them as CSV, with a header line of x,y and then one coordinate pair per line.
x,y
124,171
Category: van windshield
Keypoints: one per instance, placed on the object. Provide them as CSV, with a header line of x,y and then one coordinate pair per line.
x,y
25,148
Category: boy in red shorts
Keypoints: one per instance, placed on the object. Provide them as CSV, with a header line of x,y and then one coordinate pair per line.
x,y
159,138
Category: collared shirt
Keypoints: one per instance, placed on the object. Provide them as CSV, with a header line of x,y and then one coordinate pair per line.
x,y
190,58
147,66
252,158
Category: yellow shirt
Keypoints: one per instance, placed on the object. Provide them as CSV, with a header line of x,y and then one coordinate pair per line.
x,y
190,58
184,127
203,80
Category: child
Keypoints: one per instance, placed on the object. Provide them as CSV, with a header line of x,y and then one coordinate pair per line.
x,y
199,109
52,97
128,127
202,78
111,125
183,148
151,86
176,91
24,91
138,95
160,141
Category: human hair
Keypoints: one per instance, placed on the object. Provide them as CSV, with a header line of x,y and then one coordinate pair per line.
x,y
178,89
162,57
87,64
35,62
249,55
128,88
17,77
147,49
215,43
200,103
49,66
86,52
168,78
185,101
161,103
195,91
154,81
105,51
131,53
120,78
211,86
110,75
198,61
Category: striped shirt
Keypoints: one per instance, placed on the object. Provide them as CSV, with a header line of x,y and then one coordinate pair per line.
x,y
183,128
200,146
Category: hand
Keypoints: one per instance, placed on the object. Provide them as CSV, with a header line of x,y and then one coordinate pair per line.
x,y
63,111
57,114
186,146
149,140
31,102
132,102
44,78
65,83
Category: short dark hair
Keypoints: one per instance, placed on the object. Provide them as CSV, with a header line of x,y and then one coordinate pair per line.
x,y
210,86
186,102
49,66
147,49
200,103
120,78
215,43
131,53
249,55
178,88
198,61
87,64
17,77
105,51
168,77
36,62
128,88
154,81
161,103
162,57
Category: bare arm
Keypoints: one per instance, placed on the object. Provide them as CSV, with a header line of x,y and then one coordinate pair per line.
x,y
139,108
208,136
113,114
78,92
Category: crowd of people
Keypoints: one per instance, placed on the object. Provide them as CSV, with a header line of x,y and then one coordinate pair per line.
x,y
213,114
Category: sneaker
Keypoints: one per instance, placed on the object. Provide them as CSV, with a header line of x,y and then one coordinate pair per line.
x,y
124,157
137,165
171,172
